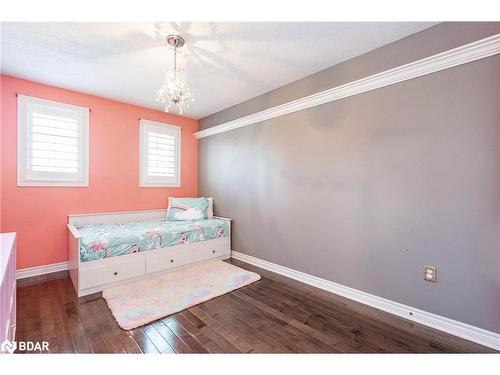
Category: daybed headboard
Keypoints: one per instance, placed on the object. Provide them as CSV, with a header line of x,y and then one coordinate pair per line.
x,y
117,217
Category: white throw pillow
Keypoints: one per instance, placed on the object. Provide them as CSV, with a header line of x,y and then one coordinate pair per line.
x,y
190,209
210,209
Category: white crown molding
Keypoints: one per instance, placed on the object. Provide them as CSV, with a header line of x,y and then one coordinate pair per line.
x,y
465,331
458,56
41,270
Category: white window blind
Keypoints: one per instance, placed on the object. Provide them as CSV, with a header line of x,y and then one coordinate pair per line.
x,y
52,143
159,154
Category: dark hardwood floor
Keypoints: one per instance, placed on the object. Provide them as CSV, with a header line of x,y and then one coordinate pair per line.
x,y
273,315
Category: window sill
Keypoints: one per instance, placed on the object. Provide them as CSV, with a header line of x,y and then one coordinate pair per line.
x,y
52,184
171,185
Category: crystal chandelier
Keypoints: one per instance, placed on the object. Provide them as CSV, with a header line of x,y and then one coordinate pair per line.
x,y
175,91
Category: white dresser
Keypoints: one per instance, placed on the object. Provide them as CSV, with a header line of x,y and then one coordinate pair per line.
x,y
7,286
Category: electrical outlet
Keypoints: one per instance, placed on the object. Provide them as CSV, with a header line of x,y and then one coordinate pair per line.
x,y
430,274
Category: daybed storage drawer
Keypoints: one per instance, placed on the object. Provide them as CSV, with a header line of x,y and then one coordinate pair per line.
x,y
169,258
110,273
212,249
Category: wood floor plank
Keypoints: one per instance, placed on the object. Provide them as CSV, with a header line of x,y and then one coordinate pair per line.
x,y
33,327
231,335
113,343
65,342
191,342
261,323
159,338
47,322
276,327
328,340
124,337
177,345
146,345
242,322
72,320
206,342
207,333
299,318
311,316
21,315
273,315
317,315
92,331
193,318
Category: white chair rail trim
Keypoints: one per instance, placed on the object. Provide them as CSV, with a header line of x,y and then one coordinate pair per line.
x,y
457,56
454,327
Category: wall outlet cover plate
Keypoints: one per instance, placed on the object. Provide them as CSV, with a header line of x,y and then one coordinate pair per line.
x,y
430,274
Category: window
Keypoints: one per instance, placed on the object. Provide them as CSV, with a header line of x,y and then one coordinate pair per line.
x,y
52,143
159,154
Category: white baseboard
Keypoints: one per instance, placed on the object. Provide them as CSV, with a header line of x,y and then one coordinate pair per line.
x,y
454,327
41,270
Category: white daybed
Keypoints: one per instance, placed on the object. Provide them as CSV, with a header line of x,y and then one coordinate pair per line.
x,y
93,276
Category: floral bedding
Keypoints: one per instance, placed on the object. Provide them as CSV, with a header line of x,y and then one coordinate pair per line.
x,y
108,240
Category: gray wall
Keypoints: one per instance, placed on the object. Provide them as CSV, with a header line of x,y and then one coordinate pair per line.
x,y
366,190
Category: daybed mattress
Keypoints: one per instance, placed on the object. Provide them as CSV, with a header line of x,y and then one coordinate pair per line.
x,y
108,240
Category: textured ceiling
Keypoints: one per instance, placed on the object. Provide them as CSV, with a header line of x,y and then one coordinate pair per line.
x,y
225,63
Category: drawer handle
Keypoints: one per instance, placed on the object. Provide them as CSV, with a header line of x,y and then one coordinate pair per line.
x,y
171,261
115,273
213,251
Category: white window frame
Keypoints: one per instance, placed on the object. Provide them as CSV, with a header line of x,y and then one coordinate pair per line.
x,y
26,177
145,126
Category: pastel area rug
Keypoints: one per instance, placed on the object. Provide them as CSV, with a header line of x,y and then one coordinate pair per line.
x,y
139,302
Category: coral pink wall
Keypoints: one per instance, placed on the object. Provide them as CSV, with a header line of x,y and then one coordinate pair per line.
x,y
39,214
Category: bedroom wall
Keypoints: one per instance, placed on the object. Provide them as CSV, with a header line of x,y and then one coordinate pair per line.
x,y
39,214
367,190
